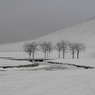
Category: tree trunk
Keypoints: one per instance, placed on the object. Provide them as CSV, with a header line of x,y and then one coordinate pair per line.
x,y
73,54
45,55
33,55
77,54
30,55
49,54
63,54
59,54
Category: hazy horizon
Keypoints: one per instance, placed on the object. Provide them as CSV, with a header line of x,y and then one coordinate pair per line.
x,y
22,20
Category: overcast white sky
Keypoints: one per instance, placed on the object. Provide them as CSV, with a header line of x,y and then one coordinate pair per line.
x,y
29,19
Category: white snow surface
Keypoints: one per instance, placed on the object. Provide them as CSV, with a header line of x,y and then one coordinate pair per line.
x,y
64,82
26,81
84,61
81,62
5,62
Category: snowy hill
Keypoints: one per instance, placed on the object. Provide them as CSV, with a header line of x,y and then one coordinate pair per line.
x,y
82,32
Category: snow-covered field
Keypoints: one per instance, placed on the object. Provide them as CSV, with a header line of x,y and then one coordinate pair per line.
x,y
48,79
82,62
13,63
62,82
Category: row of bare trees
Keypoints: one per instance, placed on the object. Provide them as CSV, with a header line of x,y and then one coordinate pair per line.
x,y
48,47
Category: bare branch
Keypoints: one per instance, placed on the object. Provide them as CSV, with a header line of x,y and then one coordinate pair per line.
x,y
79,47
49,48
72,47
58,47
31,48
43,47
64,45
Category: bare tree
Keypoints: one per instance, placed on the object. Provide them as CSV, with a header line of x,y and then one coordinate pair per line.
x,y
58,47
79,47
44,48
49,48
31,48
72,47
64,47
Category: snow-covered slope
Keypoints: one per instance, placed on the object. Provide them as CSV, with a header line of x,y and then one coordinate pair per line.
x,y
82,32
